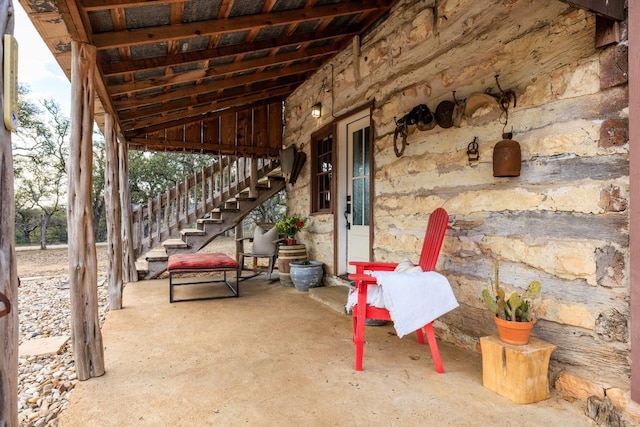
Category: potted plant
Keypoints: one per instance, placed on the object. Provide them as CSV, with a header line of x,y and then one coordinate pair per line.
x,y
306,274
513,314
289,226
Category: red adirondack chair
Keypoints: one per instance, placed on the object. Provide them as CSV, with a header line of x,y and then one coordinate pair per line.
x,y
434,236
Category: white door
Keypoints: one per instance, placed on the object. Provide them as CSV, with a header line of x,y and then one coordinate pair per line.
x,y
358,207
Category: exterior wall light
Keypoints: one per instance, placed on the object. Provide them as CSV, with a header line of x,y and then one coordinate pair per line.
x,y
316,110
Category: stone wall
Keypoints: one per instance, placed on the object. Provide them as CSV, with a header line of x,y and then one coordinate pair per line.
x,y
564,221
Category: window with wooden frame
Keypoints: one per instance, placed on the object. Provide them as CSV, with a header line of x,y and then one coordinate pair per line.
x,y
322,171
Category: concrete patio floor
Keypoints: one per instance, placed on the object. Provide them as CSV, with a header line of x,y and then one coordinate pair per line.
x,y
276,357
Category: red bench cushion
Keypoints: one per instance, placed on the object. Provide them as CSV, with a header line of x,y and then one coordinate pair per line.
x,y
201,261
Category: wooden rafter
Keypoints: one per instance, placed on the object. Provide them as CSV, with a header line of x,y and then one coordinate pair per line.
x,y
163,64
232,25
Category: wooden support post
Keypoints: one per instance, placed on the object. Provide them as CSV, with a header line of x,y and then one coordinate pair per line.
x,y
129,255
8,268
187,201
83,270
203,190
150,224
517,372
239,232
114,212
253,179
177,203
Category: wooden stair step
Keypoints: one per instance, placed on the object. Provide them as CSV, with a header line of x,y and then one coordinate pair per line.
x,y
175,243
142,266
209,221
157,254
192,232
245,198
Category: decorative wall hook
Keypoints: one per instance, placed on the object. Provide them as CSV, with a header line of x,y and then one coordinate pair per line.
x,y
505,98
473,152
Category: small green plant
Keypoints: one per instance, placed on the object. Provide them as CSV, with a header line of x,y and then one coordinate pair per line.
x,y
516,308
290,225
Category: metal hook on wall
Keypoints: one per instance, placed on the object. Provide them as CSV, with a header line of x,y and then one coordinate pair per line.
x,y
505,98
473,152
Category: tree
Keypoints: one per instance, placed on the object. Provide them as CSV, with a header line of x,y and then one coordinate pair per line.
x,y
27,221
270,211
98,203
151,174
40,151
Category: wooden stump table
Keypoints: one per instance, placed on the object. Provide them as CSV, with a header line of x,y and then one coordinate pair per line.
x,y
517,372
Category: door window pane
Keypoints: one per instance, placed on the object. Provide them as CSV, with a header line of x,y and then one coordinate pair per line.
x,y
358,192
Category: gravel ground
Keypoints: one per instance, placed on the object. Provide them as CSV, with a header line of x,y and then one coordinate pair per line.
x,y
45,382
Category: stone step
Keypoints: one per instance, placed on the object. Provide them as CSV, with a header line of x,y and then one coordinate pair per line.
x,y
334,297
42,346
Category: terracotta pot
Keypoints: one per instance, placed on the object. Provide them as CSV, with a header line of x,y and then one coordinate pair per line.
x,y
516,333
291,241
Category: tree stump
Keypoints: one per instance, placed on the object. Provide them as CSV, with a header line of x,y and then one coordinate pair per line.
x,y
517,372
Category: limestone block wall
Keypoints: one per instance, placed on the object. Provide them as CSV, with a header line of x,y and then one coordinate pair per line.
x,y
563,221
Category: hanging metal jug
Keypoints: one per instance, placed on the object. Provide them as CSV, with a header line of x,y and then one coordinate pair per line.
x,y
506,157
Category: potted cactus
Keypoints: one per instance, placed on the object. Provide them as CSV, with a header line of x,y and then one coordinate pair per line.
x,y
513,313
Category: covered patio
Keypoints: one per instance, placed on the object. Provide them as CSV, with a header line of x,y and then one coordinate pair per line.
x,y
260,360
225,80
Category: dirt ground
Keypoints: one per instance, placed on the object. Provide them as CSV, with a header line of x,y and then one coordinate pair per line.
x,y
54,261
276,357
51,262
272,357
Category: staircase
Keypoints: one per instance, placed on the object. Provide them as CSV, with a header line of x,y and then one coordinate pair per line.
x,y
188,217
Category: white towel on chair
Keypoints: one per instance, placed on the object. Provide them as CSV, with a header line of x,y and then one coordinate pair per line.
x,y
415,299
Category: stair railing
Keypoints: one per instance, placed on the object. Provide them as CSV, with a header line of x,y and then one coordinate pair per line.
x,y
193,198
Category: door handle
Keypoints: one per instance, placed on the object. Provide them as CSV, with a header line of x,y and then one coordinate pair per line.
x,y
347,211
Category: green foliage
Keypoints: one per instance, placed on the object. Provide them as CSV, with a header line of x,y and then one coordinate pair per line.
x,y
40,147
27,221
290,225
269,212
515,308
97,201
154,173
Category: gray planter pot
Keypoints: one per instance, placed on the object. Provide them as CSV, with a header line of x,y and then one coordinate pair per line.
x,y
306,274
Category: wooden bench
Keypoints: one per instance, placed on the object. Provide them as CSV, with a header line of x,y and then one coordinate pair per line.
x,y
188,264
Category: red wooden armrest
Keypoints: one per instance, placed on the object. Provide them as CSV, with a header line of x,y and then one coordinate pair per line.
x,y
363,279
362,266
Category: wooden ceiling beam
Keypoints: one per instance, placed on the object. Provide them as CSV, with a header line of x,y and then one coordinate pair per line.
x,y
96,5
141,131
73,19
159,144
222,70
112,40
301,69
123,67
204,109
210,97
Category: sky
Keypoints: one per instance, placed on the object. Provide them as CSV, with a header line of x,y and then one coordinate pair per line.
x,y
37,67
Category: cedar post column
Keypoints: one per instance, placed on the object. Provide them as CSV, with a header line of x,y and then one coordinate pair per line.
x,y
634,195
114,213
129,255
8,268
253,178
88,352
